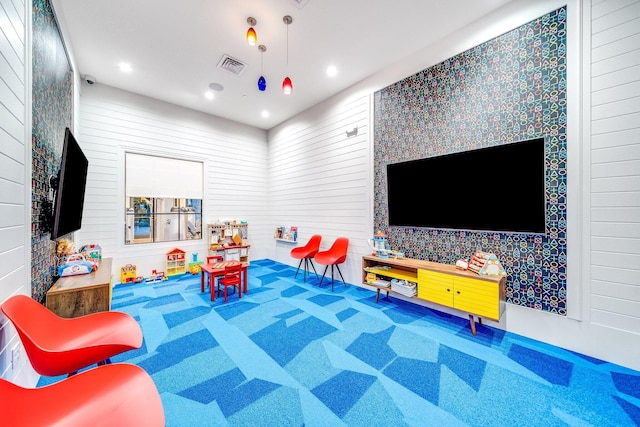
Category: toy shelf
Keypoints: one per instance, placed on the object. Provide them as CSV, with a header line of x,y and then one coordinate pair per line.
x,y
394,273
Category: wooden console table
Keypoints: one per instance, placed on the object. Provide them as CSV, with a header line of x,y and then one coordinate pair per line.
x,y
443,284
74,296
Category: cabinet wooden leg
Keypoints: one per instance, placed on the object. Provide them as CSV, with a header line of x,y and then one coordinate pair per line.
x,y
472,322
377,295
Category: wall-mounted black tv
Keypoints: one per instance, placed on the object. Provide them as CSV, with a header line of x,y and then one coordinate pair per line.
x,y
500,188
69,194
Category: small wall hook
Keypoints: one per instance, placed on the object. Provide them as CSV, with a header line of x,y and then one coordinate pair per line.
x,y
354,132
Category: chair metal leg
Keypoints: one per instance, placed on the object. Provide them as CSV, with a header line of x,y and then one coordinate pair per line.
x,y
340,272
332,278
299,264
325,271
314,267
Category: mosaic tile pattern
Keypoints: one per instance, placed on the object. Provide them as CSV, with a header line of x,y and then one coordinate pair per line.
x,y
52,112
290,353
507,89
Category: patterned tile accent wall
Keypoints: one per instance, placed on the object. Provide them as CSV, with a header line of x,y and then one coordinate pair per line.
x,y
52,101
507,89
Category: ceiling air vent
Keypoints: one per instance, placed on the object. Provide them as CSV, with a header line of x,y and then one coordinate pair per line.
x,y
232,65
300,3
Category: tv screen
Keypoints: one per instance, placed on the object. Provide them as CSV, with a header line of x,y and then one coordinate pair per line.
x,y
500,188
71,182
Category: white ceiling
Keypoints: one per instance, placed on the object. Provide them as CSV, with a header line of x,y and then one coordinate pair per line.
x,y
174,47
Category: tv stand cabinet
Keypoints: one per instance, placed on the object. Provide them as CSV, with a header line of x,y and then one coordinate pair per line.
x,y
74,296
443,284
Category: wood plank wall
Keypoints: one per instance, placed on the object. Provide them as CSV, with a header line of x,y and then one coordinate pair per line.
x,y
14,166
615,165
113,121
320,178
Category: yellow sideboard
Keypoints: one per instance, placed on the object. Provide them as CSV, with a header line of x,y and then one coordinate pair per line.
x,y
443,284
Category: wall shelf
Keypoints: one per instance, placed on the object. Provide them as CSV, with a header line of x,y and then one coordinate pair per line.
x,y
286,240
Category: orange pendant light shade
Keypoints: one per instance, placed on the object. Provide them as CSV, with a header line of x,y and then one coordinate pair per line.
x,y
252,37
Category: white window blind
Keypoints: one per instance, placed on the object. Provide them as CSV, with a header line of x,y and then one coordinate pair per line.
x,y
154,176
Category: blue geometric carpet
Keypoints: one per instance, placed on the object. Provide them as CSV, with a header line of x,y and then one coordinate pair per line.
x,y
292,354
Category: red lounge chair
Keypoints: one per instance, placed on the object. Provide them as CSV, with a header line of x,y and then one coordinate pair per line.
x,y
57,346
115,395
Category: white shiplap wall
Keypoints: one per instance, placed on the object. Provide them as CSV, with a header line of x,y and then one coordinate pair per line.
x,y
15,171
615,165
320,179
113,121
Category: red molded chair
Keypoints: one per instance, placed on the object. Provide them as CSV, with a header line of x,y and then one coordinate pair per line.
x,y
306,253
232,278
57,346
111,395
335,255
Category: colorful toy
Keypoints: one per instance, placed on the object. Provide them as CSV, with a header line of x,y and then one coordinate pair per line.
x,y
128,273
462,264
65,247
156,276
91,252
176,262
486,264
380,245
76,264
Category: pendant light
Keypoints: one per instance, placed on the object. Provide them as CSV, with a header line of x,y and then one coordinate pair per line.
x,y
262,82
252,37
287,86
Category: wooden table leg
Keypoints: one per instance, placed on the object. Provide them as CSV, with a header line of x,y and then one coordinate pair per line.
x,y
377,294
201,280
212,287
472,322
246,279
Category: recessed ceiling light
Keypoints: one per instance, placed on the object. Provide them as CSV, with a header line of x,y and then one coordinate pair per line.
x,y
208,95
216,86
332,71
265,113
125,67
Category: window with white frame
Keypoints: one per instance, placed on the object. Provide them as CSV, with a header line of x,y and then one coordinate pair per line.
x,y
163,199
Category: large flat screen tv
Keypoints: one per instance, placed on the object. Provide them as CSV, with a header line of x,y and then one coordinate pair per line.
x,y
69,194
500,188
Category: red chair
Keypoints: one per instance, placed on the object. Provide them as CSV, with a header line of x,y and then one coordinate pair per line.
x,y
306,253
57,346
232,278
335,255
112,395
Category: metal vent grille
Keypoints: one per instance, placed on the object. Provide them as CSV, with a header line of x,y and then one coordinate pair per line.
x,y
300,3
232,65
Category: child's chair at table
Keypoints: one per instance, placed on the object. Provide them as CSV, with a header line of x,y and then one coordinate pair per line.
x,y
232,279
